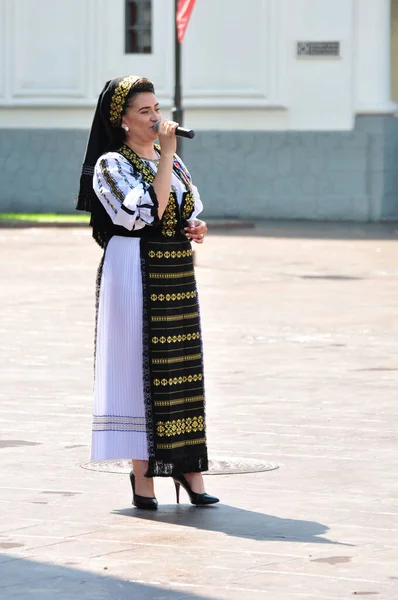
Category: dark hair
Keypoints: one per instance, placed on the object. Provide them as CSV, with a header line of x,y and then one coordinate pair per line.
x,y
142,85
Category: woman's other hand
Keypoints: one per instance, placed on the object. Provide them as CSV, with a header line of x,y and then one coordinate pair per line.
x,y
167,137
196,231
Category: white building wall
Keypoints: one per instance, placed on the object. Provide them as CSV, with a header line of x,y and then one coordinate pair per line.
x,y
319,89
394,50
280,137
240,70
372,57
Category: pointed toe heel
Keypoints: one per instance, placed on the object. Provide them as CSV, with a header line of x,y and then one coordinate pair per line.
x,y
142,502
195,498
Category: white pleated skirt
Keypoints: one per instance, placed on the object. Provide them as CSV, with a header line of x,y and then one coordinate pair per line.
x,y
119,424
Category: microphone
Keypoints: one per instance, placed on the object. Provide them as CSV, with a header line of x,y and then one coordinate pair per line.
x,y
180,131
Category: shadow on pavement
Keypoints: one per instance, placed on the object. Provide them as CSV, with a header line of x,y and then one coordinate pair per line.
x,y
236,522
23,579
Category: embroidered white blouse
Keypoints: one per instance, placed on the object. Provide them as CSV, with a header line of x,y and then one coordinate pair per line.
x,y
128,200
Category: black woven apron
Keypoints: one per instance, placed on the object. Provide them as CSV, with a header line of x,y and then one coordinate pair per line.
x,y
172,343
173,361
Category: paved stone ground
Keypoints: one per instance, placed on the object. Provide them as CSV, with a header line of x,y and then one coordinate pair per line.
x,y
301,341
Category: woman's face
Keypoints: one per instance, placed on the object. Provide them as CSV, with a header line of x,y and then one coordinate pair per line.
x,y
141,116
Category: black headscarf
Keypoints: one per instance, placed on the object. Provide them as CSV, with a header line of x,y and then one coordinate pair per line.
x,y
107,120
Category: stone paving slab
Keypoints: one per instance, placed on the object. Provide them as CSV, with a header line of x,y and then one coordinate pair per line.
x,y
301,356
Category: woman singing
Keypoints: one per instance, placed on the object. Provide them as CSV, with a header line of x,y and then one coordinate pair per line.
x,y
149,386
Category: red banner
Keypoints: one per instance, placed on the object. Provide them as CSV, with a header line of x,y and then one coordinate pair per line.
x,y
184,11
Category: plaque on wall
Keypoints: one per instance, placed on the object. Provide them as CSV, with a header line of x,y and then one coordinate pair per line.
x,y
318,49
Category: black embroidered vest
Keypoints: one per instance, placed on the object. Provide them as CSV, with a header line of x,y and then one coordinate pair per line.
x,y
174,218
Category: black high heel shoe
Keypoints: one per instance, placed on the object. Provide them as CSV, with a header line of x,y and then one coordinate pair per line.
x,y
195,498
142,501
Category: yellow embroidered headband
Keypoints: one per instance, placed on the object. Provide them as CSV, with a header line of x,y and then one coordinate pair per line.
x,y
118,100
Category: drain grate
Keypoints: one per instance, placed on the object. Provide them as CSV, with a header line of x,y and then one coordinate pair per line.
x,y
217,466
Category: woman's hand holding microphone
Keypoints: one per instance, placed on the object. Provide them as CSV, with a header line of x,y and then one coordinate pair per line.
x,y
167,137
196,229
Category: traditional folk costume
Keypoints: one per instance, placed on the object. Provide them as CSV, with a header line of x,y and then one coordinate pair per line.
x,y
149,384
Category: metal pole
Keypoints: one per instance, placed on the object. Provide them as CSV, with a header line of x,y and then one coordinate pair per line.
x,y
177,113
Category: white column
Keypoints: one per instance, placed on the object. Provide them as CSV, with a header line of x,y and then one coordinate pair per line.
x,y
372,57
